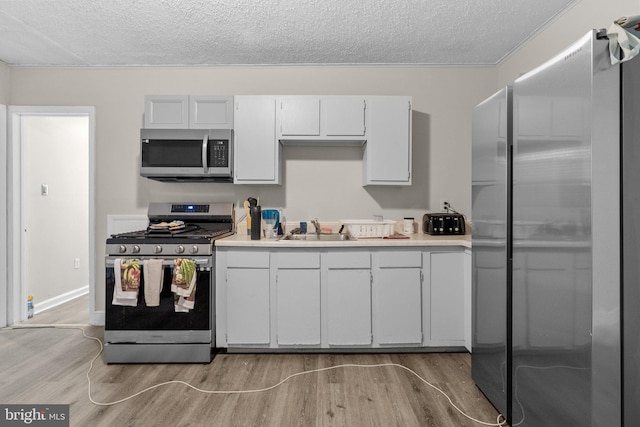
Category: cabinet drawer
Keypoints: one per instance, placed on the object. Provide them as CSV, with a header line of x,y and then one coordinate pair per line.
x,y
298,259
400,259
348,259
248,259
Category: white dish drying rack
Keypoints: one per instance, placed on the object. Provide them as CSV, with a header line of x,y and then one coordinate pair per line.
x,y
364,228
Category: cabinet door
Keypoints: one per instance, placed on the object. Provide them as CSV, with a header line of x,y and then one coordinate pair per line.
x,y
299,116
248,306
349,307
387,157
211,112
166,112
298,307
398,314
347,297
446,311
257,152
343,116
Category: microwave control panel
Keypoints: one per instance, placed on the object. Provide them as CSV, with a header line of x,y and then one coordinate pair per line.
x,y
218,153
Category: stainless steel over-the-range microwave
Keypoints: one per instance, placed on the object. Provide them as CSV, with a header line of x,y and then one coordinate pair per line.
x,y
187,154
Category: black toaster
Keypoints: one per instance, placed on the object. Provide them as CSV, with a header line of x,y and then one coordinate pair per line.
x,y
443,223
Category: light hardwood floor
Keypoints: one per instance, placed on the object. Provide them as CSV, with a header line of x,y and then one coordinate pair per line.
x,y
40,366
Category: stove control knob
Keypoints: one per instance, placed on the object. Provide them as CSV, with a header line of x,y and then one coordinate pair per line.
x,y
135,249
194,249
157,249
180,249
122,249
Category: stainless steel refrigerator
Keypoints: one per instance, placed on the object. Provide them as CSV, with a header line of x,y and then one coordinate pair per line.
x,y
556,248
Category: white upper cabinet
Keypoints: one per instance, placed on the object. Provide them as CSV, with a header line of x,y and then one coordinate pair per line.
x,y
387,155
257,151
188,112
211,112
344,116
322,119
262,123
166,112
299,116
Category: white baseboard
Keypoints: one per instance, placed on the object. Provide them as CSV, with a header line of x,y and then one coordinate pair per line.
x,y
96,318
60,299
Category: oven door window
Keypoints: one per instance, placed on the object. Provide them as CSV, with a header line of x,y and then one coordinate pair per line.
x,y
162,153
164,316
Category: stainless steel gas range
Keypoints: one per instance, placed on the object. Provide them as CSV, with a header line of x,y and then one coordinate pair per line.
x,y
160,285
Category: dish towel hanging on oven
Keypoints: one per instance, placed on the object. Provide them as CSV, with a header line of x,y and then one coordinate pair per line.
x,y
183,284
153,276
127,282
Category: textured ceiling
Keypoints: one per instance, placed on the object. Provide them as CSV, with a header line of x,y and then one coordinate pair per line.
x,y
212,32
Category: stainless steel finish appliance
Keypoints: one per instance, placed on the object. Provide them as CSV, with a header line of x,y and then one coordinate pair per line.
x,y
556,277
143,334
187,154
491,233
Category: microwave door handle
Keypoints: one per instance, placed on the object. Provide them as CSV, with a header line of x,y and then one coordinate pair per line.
x,y
205,143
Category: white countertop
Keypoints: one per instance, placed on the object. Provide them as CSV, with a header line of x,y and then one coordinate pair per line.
x,y
241,239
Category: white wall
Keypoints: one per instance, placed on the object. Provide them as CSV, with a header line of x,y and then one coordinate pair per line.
x,y
323,184
56,154
4,83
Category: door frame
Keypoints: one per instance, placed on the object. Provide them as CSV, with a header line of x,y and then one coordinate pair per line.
x,y
16,262
4,230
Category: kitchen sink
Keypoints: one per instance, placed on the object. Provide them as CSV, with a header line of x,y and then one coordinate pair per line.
x,y
333,237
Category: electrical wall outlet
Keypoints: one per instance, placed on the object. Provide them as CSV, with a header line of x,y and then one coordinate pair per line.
x,y
445,205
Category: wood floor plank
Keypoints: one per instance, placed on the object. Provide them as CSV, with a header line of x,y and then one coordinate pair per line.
x,y
49,366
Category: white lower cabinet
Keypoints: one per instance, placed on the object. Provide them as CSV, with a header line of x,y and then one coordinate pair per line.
x,y
246,298
298,298
446,302
348,298
334,298
397,285
248,306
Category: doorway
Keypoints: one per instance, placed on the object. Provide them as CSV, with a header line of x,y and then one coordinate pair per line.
x,y
51,207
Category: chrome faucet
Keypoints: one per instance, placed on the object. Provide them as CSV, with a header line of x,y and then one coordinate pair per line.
x,y
316,224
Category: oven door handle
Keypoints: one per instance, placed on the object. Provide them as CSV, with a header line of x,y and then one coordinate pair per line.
x,y
199,261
